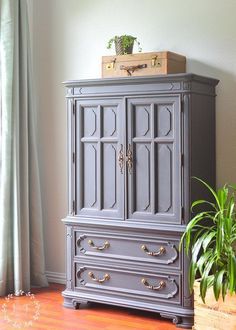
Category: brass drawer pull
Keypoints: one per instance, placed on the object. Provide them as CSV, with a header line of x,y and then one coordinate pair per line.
x,y
129,159
121,158
106,245
105,278
161,251
161,285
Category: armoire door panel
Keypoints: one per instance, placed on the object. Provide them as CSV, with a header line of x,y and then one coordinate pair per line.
x,y
90,121
109,122
109,176
90,182
142,121
142,174
99,189
164,120
164,198
154,183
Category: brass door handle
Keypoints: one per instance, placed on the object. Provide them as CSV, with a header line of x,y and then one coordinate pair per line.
x,y
161,251
121,158
105,278
129,159
106,245
161,285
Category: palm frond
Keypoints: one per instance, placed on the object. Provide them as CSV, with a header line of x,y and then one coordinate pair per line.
x,y
210,237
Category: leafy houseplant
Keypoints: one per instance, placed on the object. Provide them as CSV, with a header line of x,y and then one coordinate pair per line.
x,y
210,236
123,44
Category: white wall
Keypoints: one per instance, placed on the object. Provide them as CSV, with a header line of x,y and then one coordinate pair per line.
x,y
70,37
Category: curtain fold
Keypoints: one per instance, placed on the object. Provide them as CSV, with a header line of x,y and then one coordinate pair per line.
x,y
21,236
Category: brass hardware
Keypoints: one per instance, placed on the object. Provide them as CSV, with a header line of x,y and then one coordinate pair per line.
x,y
130,159
130,69
111,65
161,285
155,63
154,59
105,278
121,158
106,245
161,251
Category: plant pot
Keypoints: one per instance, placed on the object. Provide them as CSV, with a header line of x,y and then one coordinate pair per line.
x,y
214,315
121,50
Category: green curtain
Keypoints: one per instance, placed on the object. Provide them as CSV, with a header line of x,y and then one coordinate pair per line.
x,y
21,237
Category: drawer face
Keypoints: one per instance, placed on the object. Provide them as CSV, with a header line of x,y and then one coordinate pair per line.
x,y
129,283
153,250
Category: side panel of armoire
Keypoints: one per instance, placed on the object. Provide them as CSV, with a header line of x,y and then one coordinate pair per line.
x,y
199,144
199,149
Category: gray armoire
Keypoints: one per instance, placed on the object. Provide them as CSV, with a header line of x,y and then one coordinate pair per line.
x,y
133,145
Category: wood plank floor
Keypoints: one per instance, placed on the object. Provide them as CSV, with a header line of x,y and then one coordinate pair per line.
x,y
45,311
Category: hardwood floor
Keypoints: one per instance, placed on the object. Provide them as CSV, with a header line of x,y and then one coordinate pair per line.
x,y
45,311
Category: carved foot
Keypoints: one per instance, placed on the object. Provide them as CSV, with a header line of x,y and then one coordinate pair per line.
x,y
73,303
185,322
180,321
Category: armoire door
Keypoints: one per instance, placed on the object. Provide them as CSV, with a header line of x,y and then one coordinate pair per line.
x,y
99,172
154,159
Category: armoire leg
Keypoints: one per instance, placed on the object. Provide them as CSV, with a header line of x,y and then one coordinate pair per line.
x,y
73,303
180,321
185,322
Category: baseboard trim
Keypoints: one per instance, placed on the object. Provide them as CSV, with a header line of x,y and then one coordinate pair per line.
x,y
53,277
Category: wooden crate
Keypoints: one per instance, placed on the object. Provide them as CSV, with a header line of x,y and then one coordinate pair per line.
x,y
214,315
143,64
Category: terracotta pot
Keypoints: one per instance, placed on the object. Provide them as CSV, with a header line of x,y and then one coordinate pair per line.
x,y
214,315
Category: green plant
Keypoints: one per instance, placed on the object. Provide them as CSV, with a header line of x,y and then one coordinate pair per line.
x,y
210,236
126,43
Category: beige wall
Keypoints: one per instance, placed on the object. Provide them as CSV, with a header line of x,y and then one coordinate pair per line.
x,y
69,39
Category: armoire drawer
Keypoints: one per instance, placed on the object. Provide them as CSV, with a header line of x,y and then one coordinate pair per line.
x,y
129,283
128,248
